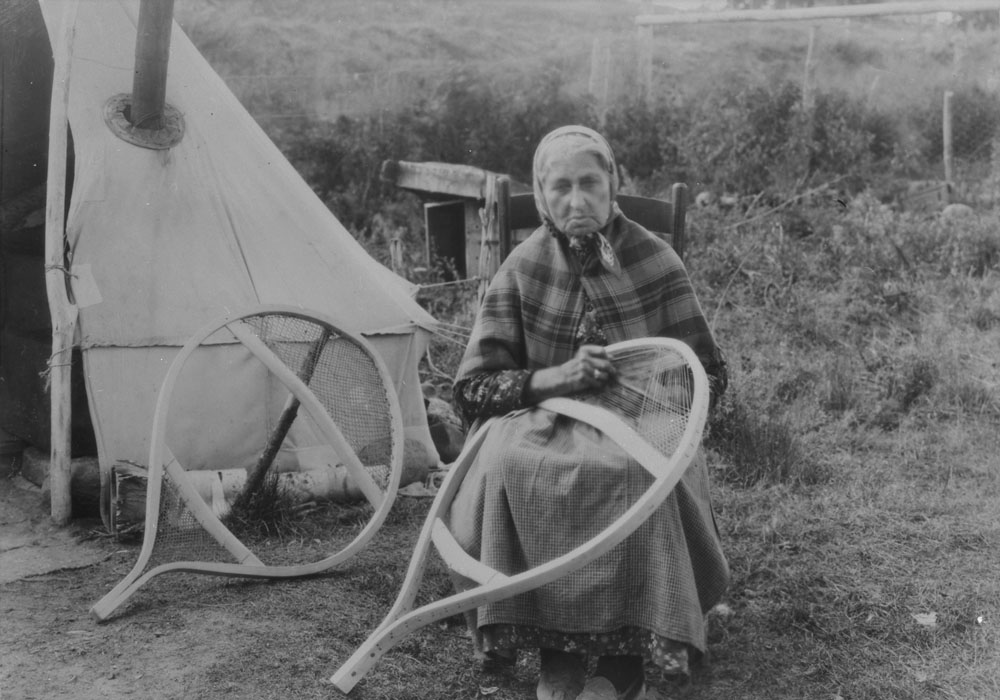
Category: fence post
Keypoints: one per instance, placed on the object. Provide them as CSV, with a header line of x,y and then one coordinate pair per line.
x,y
494,217
808,94
644,42
396,255
599,84
606,87
595,66
948,156
806,114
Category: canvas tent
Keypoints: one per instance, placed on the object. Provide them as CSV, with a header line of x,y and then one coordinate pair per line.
x,y
161,241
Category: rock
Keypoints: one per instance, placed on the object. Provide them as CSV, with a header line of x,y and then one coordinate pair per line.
x,y
957,212
704,199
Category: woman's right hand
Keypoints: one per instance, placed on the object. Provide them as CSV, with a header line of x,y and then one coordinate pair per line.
x,y
590,369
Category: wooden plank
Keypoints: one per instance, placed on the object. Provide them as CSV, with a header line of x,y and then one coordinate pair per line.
x,y
438,178
817,13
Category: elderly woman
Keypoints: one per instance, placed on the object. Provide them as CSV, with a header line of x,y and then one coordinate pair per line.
x,y
586,278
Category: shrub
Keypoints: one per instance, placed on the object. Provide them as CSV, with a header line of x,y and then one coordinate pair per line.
x,y
465,121
973,249
755,446
975,117
841,388
847,138
741,137
736,135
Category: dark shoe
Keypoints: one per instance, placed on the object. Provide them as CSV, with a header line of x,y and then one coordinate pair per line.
x,y
625,673
561,675
497,661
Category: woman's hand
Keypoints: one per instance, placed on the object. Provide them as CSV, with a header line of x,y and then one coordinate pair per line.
x,y
589,370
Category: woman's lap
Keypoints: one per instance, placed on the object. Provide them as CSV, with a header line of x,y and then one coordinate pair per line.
x,y
543,484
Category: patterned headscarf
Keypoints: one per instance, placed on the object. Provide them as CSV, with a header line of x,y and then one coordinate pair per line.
x,y
569,140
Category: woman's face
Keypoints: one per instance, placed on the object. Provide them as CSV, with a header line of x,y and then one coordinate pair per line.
x,y
577,192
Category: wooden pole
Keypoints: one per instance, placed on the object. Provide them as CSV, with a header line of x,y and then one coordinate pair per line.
x,y
808,103
152,53
503,217
606,87
396,255
62,311
808,97
599,84
813,13
494,217
595,66
645,49
872,92
257,474
946,122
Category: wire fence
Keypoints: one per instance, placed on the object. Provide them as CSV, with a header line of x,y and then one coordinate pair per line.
x,y
933,77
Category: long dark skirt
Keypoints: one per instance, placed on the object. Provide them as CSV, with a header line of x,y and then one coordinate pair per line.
x,y
543,484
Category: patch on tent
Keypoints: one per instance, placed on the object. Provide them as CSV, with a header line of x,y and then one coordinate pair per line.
x,y
30,543
85,291
116,116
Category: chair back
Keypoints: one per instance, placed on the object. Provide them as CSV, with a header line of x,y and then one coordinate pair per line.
x,y
664,218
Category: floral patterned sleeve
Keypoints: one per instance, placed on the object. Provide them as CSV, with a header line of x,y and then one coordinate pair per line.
x,y
491,393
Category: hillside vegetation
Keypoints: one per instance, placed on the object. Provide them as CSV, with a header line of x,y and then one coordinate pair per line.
x,y
855,455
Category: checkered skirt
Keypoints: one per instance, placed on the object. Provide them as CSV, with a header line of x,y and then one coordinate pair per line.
x,y
543,484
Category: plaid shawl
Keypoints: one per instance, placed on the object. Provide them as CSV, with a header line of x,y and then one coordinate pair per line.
x,y
530,312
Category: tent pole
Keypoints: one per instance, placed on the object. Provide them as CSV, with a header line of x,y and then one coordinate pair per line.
x,y
152,52
61,309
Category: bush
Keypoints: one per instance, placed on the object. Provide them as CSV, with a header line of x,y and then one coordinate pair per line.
x,y
975,117
745,138
466,121
755,447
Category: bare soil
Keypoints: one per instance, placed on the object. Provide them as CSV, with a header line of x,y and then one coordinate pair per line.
x,y
181,635
206,637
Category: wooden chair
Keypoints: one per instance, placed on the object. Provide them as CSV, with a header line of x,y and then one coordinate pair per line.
x,y
517,217
662,217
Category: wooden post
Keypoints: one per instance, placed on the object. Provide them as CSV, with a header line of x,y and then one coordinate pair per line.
x,y
396,255
595,63
494,218
645,48
152,53
808,96
62,311
599,84
872,92
808,103
606,87
946,125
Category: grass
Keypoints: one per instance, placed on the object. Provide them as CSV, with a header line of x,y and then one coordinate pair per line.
x,y
854,459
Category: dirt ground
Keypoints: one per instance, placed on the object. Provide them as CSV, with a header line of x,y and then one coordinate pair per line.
x,y
170,641
206,637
